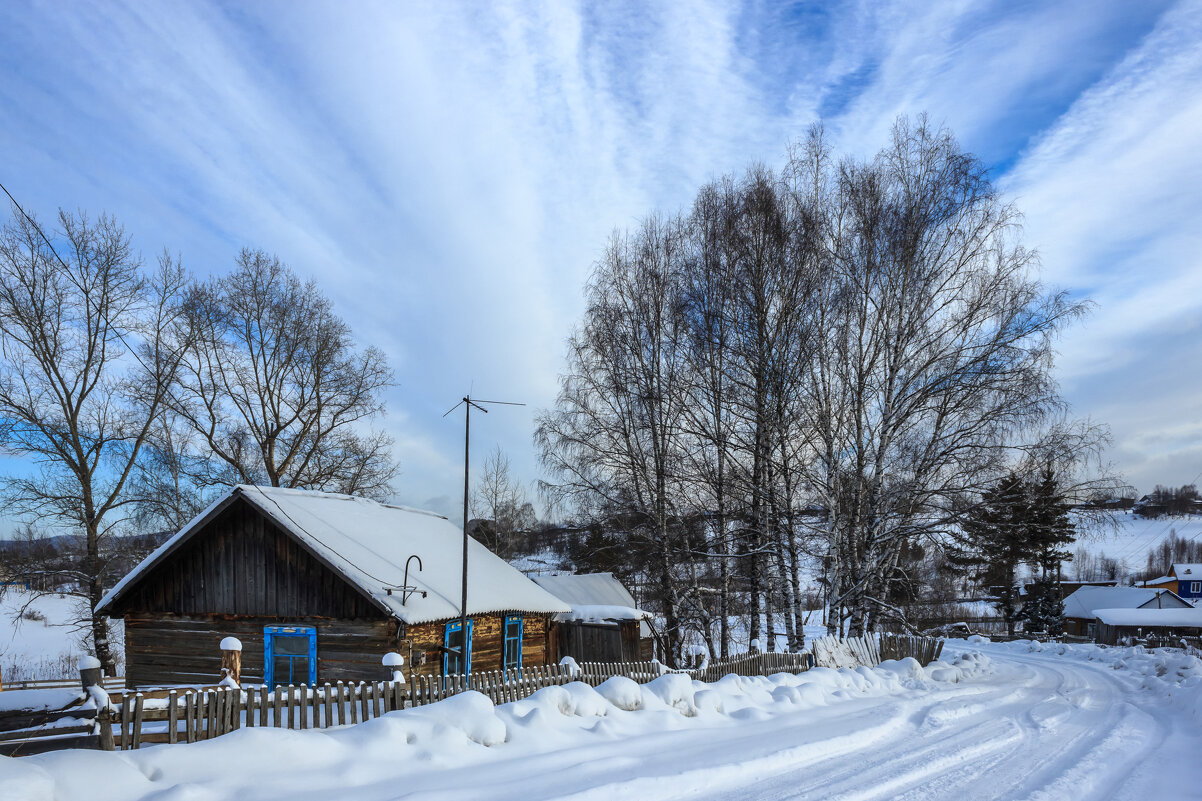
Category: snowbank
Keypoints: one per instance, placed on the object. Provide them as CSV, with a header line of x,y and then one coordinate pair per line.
x,y
464,731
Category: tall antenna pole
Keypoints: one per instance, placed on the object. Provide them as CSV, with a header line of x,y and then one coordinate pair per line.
x,y
468,402
467,438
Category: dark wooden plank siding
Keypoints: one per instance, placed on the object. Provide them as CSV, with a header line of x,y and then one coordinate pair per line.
x,y
599,642
243,564
163,650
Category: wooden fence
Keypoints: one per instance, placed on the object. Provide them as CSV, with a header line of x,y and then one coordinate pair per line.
x,y
109,683
190,715
33,721
130,719
899,646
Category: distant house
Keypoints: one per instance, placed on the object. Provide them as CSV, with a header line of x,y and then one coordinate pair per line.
x,y
1079,607
603,625
318,587
1114,626
1185,579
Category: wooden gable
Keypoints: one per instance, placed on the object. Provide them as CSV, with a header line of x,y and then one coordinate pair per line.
x,y
242,563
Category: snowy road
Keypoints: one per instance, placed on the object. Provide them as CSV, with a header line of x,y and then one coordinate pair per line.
x,y
1043,728
1014,725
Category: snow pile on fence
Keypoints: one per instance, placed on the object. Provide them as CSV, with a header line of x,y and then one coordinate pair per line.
x,y
467,729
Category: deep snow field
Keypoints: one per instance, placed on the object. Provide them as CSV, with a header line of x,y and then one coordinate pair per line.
x,y
989,721
1133,536
46,643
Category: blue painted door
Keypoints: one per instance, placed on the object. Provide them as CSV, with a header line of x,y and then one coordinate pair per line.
x,y
456,656
289,655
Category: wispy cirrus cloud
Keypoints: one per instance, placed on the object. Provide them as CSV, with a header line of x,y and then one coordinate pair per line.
x,y
449,171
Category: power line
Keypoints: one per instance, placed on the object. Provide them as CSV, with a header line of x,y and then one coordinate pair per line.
x,y
36,227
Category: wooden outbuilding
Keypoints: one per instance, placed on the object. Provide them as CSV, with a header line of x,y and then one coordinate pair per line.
x,y
318,587
1124,626
1080,607
604,623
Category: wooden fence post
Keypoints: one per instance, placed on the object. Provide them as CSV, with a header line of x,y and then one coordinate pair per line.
x,y
137,722
91,678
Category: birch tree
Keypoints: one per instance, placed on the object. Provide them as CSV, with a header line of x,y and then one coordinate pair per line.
x,y
613,442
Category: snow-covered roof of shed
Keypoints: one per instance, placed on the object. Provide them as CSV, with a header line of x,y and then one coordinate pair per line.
x,y
1151,617
1190,570
593,596
1083,602
369,543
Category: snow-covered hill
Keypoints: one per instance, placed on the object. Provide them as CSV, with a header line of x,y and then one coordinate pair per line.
x,y
39,638
1132,536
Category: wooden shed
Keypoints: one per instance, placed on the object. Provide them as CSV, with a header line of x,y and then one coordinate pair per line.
x,y
1119,626
603,625
1080,606
318,587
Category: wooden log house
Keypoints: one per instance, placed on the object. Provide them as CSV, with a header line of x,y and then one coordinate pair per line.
x,y
318,587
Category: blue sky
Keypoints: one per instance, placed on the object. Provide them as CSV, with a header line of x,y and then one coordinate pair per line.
x,y
449,172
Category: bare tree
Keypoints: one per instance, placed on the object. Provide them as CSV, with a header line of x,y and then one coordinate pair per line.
x,y
500,506
276,388
164,492
614,440
89,348
830,363
940,342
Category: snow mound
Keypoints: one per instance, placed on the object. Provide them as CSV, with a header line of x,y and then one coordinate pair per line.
x,y
622,692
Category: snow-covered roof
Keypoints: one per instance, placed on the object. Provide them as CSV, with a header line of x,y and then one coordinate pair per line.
x,y
592,596
1158,580
1190,570
1083,602
369,543
1151,617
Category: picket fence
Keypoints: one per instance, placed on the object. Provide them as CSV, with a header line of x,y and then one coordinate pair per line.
x,y
186,715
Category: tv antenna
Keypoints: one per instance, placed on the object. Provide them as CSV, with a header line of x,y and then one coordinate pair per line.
x,y
468,402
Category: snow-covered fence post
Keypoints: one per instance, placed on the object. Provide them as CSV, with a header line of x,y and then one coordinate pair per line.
x,y
91,678
231,662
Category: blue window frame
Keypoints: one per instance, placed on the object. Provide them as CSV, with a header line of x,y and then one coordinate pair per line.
x,y
289,655
456,659
512,651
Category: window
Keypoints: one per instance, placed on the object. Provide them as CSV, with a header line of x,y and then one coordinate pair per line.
x,y
456,660
1195,587
289,655
513,643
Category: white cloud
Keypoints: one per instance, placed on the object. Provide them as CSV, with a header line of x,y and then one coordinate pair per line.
x,y
449,171
1110,193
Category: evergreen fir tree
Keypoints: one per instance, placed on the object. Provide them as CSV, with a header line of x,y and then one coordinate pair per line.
x,y
1050,532
996,532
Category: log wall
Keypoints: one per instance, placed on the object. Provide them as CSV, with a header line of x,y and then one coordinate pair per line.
x,y
163,650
